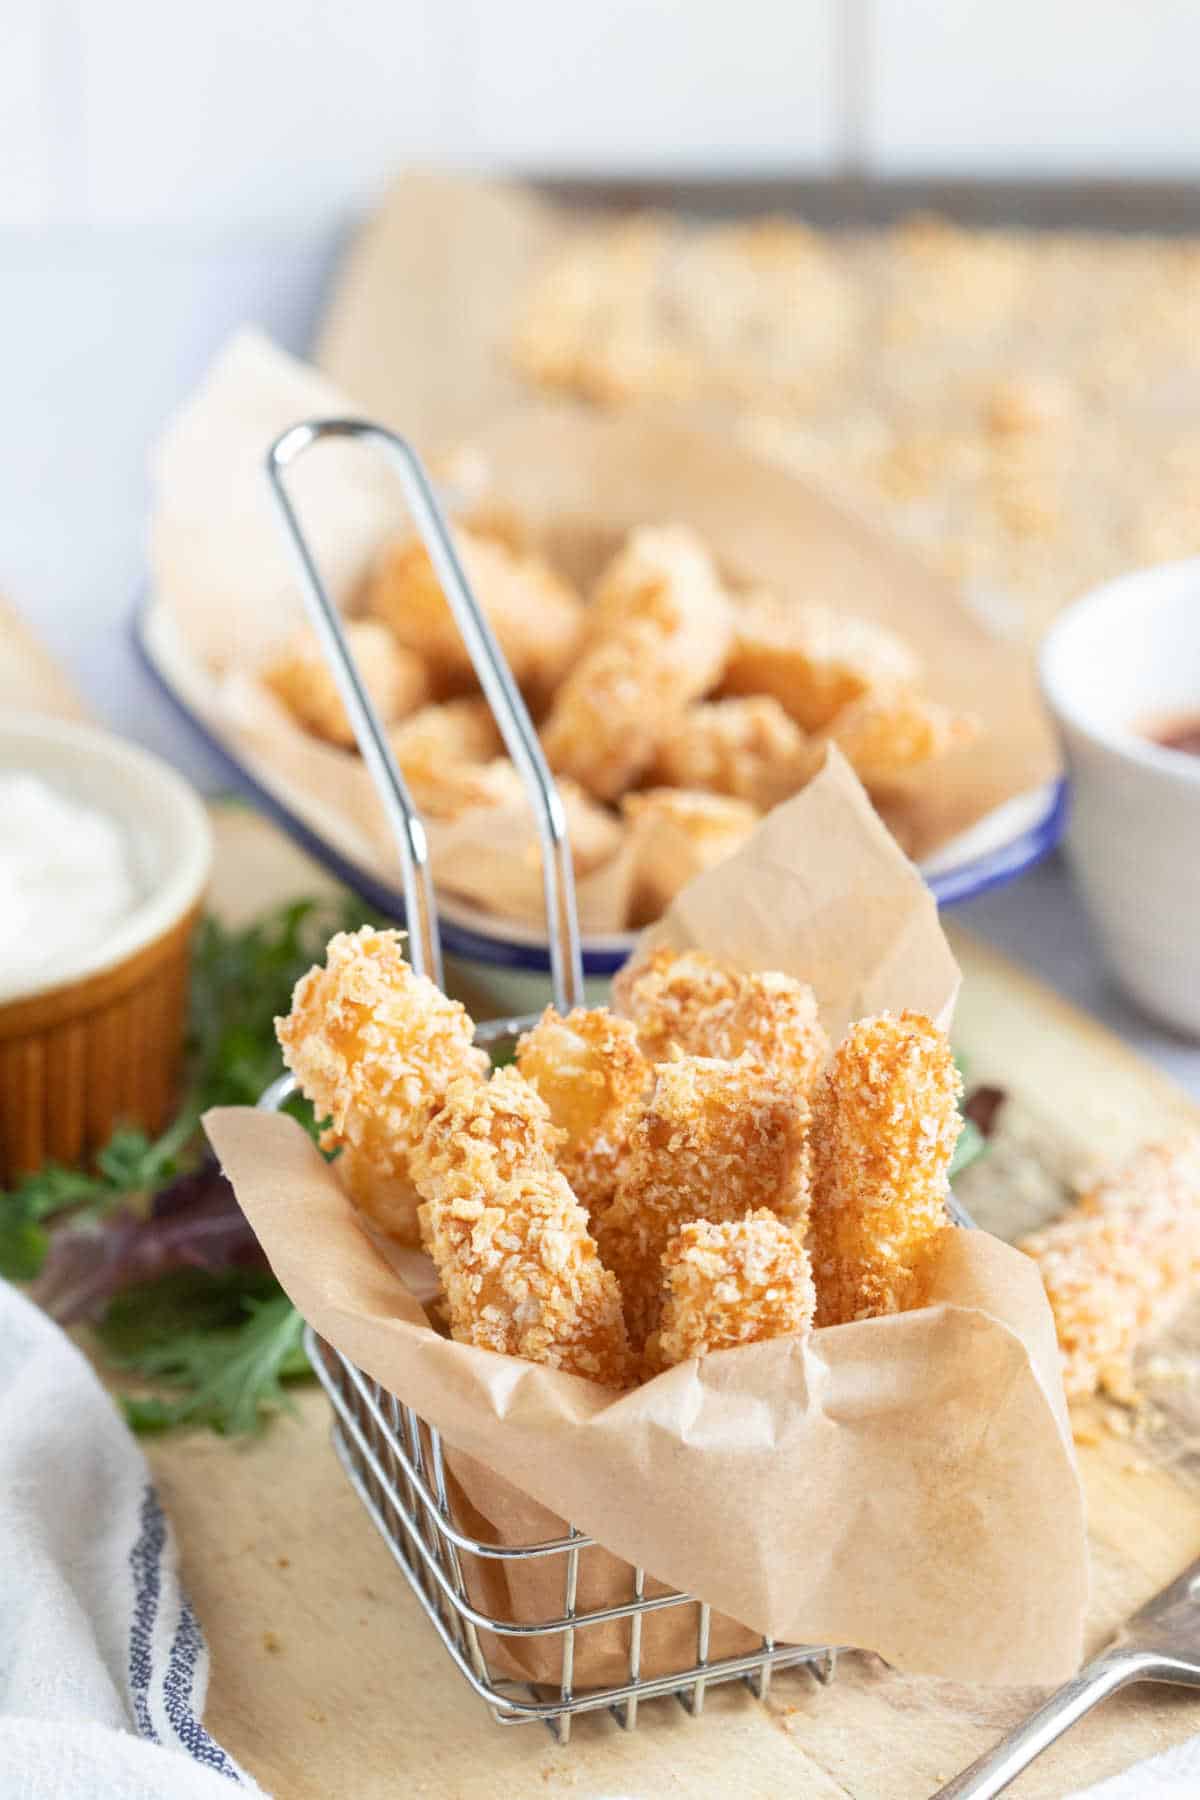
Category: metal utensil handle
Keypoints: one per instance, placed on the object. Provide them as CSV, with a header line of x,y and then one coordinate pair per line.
x,y
495,678
991,1773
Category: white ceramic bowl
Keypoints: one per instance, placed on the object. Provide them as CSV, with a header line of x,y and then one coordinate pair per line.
x,y
91,1037
1123,657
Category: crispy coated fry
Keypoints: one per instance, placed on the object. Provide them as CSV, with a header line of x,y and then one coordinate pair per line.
x,y
522,1276
588,1069
715,1141
688,1000
1122,1261
676,835
885,1123
374,1047
447,790
740,1282
749,749
535,615
396,679
494,857
484,1133
889,733
452,731
658,635
813,659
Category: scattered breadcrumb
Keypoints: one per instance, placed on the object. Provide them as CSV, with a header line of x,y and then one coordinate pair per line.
x,y
885,1123
739,1282
588,1069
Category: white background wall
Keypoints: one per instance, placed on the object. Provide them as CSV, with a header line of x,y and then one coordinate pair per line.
x,y
130,112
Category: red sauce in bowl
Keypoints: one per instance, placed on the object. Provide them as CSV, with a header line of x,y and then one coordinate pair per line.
x,y
1180,732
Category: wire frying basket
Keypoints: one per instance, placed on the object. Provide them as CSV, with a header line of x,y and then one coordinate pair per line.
x,y
394,1459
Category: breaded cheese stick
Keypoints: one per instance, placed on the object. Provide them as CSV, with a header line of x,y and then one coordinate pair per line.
x,y
689,1000
716,1140
739,1282
888,734
813,659
483,1134
522,1276
747,748
885,1123
657,638
374,1047
590,1073
300,675
1121,1261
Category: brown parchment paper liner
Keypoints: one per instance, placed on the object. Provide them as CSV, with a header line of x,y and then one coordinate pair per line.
x,y
905,1485
579,481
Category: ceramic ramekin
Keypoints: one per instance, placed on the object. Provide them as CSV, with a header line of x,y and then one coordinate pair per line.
x,y
1124,656
94,1039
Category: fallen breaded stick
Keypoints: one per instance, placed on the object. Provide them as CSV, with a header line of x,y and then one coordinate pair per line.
x,y
522,1276
301,676
813,659
885,1123
740,1282
688,1000
589,1071
715,1141
657,638
374,1047
1122,1261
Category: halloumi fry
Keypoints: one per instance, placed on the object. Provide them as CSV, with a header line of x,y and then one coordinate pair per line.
x,y
300,675
588,1069
676,835
716,1140
522,1276
813,659
739,1282
374,1047
747,748
885,1123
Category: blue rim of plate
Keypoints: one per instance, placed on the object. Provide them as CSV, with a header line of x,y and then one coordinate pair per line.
x,y
964,881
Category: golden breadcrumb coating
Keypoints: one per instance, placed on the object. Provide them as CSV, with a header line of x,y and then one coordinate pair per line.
x,y
536,617
813,659
885,1123
740,1282
389,1200
522,1276
588,1069
446,790
374,1047
715,1141
687,1000
657,637
484,1133
300,675
747,748
889,733
1122,1260
676,835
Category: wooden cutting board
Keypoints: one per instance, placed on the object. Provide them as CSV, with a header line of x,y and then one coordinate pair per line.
x,y
328,1680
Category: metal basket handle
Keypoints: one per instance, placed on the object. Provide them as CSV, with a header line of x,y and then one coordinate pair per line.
x,y
495,678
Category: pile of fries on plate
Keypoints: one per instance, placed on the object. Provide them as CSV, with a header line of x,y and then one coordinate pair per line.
x,y
688,1171
674,709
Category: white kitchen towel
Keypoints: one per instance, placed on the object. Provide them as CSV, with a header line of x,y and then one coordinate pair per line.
x,y
103,1667
1175,1775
